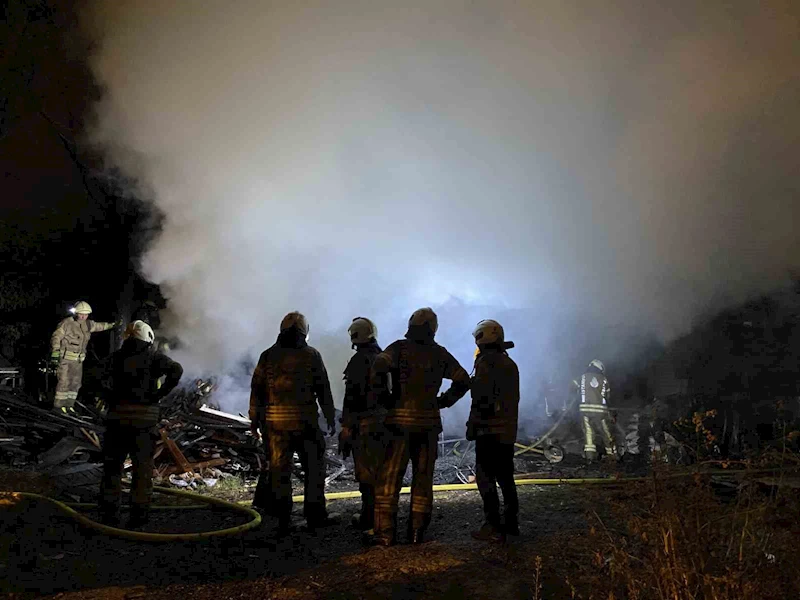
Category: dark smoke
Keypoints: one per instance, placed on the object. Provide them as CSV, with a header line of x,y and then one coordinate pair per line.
x,y
633,163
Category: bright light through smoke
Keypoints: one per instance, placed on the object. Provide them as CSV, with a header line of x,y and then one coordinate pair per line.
x,y
606,165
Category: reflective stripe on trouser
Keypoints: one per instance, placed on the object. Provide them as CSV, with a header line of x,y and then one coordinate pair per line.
x,y
368,452
310,447
118,442
70,374
593,423
421,448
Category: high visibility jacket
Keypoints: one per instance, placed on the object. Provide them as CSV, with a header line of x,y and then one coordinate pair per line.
x,y
595,393
358,401
417,369
72,336
288,382
495,395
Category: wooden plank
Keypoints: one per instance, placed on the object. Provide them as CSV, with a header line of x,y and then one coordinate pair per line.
x,y
176,453
216,462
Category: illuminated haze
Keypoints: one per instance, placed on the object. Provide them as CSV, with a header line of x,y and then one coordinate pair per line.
x,y
630,162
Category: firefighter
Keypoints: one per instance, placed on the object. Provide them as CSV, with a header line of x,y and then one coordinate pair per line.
x,y
594,394
416,365
288,382
360,433
492,425
131,423
68,351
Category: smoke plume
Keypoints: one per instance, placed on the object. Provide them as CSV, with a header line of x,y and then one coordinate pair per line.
x,y
630,162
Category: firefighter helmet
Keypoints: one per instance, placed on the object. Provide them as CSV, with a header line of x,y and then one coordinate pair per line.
x,y
295,319
424,316
597,364
82,308
488,332
140,331
362,330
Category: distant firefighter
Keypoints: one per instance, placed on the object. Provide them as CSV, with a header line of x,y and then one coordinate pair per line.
x,y
289,381
68,351
416,366
493,425
361,432
132,419
595,391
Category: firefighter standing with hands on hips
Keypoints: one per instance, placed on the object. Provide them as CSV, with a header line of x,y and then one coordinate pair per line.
x,y
136,370
416,366
68,351
289,381
492,425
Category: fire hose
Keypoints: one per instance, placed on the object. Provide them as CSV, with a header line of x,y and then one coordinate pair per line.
x,y
142,536
9,498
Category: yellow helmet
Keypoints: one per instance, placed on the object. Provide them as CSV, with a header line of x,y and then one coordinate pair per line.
x,y
82,308
295,319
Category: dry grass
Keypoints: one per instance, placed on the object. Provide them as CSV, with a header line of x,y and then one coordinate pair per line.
x,y
677,539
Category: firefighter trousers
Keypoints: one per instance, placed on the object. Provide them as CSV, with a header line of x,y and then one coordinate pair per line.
x,y
368,453
494,465
70,375
119,442
402,445
596,424
309,444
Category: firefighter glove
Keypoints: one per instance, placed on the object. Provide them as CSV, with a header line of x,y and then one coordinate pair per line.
x,y
445,400
55,357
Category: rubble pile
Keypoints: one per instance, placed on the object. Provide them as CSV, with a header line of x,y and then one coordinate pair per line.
x,y
198,446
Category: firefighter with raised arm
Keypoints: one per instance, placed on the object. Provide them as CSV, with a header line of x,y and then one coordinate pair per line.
x,y
68,351
131,423
361,434
289,381
493,425
595,392
416,367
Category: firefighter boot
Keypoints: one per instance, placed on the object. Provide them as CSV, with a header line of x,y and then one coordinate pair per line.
x,y
489,532
416,527
385,526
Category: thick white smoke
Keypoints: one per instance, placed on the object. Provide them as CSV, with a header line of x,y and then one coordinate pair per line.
x,y
632,162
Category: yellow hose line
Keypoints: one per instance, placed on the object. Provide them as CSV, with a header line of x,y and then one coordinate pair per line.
x,y
141,536
454,487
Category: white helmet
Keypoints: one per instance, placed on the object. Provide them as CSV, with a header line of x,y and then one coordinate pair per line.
x,y
423,316
295,319
140,331
597,364
362,330
82,308
488,332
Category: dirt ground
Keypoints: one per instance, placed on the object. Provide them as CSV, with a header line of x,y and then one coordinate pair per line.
x,y
43,553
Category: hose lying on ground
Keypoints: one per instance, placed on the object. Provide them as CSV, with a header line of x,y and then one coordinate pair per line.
x,y
142,536
7,498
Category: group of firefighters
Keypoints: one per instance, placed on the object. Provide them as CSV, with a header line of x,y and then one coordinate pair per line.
x,y
390,416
